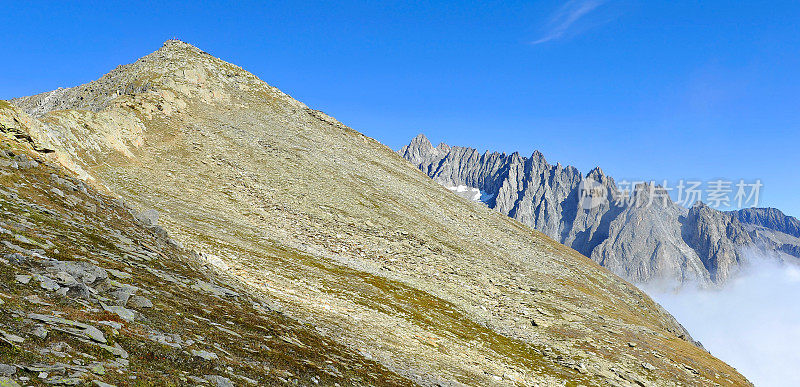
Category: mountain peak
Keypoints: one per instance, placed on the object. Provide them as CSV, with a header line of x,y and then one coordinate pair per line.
x,y
421,149
538,157
421,140
178,52
177,71
599,176
596,173
177,44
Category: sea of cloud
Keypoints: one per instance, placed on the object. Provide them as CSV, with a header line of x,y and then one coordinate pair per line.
x,y
752,323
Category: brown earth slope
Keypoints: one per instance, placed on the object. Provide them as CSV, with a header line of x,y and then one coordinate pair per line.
x,y
339,232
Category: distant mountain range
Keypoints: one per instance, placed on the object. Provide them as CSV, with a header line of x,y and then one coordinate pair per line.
x,y
645,239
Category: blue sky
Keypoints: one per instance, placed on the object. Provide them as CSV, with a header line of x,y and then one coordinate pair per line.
x,y
646,90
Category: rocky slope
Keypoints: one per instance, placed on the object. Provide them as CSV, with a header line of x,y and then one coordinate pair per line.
x,y
644,238
91,293
339,233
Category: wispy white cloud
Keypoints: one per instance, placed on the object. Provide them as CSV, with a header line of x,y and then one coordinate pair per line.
x,y
565,17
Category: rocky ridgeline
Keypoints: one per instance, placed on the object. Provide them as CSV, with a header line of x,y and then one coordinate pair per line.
x,y
90,293
770,218
389,273
644,239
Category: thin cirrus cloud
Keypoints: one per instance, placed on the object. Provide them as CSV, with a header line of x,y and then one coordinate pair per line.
x,y
565,18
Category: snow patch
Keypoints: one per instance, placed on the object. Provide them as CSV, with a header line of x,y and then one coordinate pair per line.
x,y
471,193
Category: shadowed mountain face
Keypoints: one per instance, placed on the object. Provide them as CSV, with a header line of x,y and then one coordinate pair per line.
x,y
644,238
340,233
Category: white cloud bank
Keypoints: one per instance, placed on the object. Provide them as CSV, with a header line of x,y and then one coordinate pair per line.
x,y
753,323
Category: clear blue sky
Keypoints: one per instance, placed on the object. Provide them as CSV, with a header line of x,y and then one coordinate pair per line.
x,y
661,90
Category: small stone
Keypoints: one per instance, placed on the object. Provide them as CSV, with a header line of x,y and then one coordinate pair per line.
x,y
24,239
57,191
140,302
124,293
40,332
34,299
23,279
98,369
648,366
219,381
94,334
71,381
118,274
123,313
113,324
632,344
215,290
11,338
204,354
47,283
65,279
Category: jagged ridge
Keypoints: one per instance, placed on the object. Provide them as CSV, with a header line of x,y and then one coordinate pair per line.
x,y
661,241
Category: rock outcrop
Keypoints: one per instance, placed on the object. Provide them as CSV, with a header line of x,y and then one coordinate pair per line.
x,y
642,235
339,233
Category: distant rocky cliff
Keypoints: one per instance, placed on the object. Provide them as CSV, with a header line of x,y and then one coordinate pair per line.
x,y
646,237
